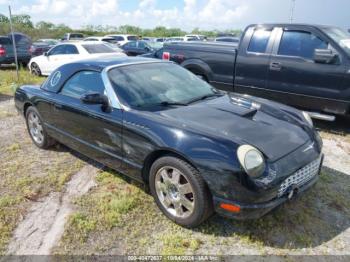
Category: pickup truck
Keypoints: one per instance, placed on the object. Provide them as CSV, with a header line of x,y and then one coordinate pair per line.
x,y
305,66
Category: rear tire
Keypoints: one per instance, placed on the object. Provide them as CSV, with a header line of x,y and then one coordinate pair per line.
x,y
35,69
180,192
36,129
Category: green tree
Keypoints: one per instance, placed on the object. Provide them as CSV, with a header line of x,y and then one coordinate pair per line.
x,y
23,20
3,19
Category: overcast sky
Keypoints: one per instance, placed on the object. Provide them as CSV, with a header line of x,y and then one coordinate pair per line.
x,y
185,14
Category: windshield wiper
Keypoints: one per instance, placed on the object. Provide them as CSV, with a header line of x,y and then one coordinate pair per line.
x,y
172,103
203,97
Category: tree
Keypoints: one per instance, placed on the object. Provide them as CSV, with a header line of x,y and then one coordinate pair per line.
x,y
42,25
4,19
23,20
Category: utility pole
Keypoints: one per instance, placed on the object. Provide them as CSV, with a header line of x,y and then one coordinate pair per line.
x,y
14,43
292,6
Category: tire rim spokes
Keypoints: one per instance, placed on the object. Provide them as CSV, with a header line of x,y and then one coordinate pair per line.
x,y
35,127
175,192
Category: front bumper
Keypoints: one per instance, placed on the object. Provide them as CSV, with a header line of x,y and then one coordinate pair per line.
x,y
254,211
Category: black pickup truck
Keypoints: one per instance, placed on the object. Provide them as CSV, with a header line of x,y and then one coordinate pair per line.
x,y
306,66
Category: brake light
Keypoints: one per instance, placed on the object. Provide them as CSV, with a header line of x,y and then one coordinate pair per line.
x,y
166,56
2,51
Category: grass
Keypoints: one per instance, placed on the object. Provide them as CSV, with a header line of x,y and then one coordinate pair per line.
x,y
103,209
9,82
22,180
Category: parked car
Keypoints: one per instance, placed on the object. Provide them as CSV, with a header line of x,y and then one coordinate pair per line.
x,y
158,54
135,48
101,39
196,37
50,42
301,65
39,48
23,44
198,149
72,36
6,51
67,52
123,39
227,39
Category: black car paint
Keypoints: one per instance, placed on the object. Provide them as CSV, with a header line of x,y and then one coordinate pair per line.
x,y
291,80
137,49
206,134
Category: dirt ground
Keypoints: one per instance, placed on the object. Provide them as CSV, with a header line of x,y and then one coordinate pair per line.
x,y
56,201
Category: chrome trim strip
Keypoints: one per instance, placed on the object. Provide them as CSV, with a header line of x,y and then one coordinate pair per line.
x,y
289,93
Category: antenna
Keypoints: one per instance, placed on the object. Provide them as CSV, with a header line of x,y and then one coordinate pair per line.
x,y
292,6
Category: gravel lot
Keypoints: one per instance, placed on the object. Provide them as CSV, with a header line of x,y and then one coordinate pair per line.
x,y
112,215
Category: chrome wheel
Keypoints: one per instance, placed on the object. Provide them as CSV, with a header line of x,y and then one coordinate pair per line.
x,y
34,68
35,127
174,192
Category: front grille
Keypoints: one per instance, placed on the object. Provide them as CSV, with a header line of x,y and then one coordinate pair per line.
x,y
300,177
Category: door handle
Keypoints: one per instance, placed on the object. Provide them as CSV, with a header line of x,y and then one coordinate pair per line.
x,y
276,66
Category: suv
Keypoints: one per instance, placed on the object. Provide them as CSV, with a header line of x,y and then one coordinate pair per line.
x,y
123,39
72,36
23,44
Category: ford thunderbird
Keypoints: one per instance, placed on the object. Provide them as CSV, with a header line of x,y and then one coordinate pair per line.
x,y
200,150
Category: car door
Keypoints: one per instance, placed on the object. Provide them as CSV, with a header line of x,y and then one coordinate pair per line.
x,y
52,59
142,48
253,60
85,127
295,78
70,54
131,48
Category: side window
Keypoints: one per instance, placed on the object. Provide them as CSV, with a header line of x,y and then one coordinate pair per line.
x,y
259,41
58,50
301,44
71,49
131,44
83,82
141,45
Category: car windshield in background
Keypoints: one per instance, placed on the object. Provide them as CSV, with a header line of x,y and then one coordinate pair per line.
x,y
132,38
340,36
155,45
98,49
157,84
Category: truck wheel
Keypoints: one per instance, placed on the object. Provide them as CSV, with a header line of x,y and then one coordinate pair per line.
x,y
36,129
35,69
180,192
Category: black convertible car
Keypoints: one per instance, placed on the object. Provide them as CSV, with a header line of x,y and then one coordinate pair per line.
x,y
198,149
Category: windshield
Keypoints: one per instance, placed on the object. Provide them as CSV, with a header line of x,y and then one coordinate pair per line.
x,y
340,36
155,45
153,84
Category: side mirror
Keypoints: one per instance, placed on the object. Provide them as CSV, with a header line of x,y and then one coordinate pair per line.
x,y
147,48
96,99
324,56
46,54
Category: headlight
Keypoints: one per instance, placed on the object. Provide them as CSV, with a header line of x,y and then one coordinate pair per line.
x,y
308,118
252,160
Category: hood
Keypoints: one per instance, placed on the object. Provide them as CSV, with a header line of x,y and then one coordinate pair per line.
x,y
243,121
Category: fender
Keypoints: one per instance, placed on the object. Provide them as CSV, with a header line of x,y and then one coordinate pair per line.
x,y
198,66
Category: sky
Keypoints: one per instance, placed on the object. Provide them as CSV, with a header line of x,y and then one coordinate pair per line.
x,y
184,14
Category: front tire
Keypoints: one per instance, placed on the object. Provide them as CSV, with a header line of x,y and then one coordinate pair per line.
x,y
180,192
35,69
36,129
